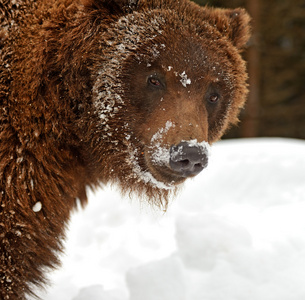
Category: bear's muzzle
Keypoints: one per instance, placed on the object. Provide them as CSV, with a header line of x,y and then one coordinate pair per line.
x,y
188,159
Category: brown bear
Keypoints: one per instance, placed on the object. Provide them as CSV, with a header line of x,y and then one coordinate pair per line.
x,y
126,92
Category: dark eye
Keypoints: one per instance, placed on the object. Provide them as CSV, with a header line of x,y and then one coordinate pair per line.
x,y
213,98
154,81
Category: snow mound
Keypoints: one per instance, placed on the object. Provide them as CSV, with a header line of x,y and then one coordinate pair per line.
x,y
235,232
162,279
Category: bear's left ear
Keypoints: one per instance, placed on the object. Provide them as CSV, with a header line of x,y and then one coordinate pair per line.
x,y
233,23
113,6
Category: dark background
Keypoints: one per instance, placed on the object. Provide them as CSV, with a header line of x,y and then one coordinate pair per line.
x,y
276,65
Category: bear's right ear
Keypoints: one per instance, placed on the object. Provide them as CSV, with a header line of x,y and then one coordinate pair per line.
x,y
113,6
233,23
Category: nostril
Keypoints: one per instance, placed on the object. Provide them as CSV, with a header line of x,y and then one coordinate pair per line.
x,y
184,162
188,159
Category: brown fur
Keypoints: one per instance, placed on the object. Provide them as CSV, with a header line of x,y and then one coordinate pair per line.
x,y
76,109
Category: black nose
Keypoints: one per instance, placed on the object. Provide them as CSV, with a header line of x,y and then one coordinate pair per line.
x,y
188,159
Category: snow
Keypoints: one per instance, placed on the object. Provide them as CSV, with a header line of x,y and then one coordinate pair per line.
x,y
146,176
37,207
236,231
184,80
161,155
130,32
159,134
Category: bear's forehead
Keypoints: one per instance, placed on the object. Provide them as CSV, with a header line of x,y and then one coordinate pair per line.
x,y
148,41
150,38
186,53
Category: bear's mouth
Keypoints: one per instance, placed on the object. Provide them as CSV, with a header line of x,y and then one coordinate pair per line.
x,y
163,172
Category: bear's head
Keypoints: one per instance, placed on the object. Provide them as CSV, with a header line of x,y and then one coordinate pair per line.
x,y
167,81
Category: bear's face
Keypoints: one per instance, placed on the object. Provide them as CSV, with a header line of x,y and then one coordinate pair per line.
x,y
174,88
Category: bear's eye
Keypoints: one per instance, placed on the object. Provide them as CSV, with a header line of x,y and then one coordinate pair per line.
x,y
154,82
213,98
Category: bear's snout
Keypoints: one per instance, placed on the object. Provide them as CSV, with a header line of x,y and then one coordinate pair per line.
x,y
188,158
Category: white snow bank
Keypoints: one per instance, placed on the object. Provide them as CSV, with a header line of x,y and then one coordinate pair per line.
x,y
162,279
237,231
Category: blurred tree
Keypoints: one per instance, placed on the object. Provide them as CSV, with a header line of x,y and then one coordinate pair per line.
x,y
283,72
276,63
250,126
